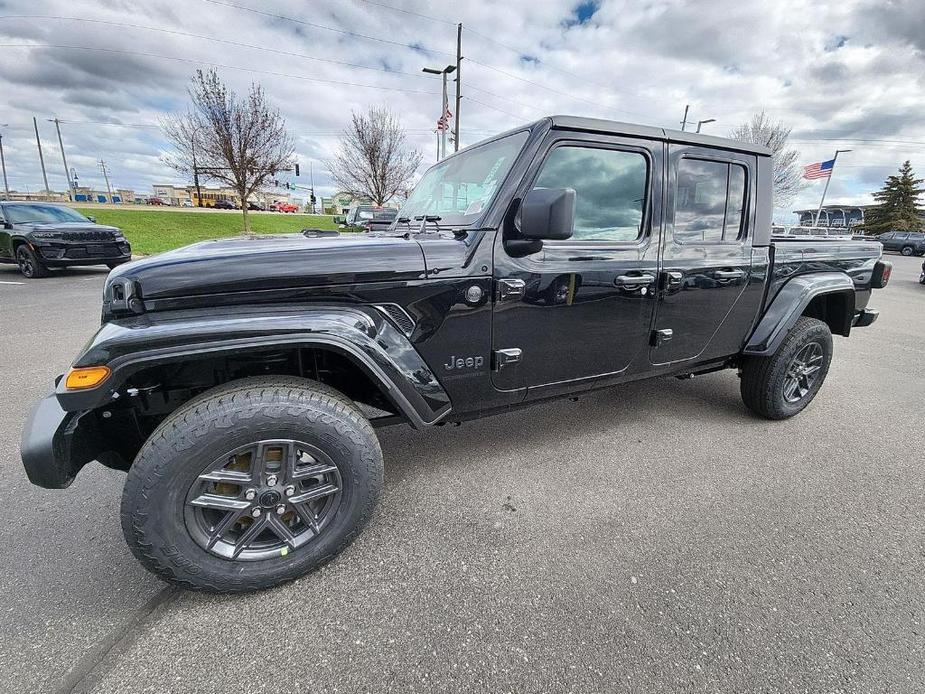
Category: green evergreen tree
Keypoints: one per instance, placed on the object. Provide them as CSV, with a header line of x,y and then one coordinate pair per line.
x,y
897,204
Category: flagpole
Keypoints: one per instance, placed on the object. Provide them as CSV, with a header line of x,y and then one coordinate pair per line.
x,y
827,181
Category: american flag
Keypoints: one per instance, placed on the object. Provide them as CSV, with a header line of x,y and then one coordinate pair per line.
x,y
443,122
821,169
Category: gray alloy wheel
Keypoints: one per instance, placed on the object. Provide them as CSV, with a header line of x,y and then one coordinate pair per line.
x,y
907,251
263,499
29,265
803,371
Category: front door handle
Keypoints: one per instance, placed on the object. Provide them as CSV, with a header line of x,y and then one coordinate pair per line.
x,y
728,274
633,280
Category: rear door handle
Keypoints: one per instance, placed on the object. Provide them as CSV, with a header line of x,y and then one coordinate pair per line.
x,y
633,280
728,274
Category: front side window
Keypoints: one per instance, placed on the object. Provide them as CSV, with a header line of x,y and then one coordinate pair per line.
x,y
610,187
710,201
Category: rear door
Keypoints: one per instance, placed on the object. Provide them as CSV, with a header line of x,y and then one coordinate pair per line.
x,y
582,308
705,259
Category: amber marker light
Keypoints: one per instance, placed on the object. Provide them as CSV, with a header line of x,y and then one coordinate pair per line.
x,y
87,377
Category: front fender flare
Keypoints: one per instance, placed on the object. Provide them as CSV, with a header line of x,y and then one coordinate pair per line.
x,y
364,336
788,306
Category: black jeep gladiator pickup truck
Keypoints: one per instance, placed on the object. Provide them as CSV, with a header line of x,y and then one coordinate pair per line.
x,y
239,382
38,236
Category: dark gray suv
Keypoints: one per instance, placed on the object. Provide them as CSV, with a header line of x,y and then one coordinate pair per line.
x,y
906,242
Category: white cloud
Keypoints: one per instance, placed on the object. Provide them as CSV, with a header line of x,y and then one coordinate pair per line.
x,y
851,69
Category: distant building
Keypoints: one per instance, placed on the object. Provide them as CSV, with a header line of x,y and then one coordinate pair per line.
x,y
118,196
38,196
842,216
187,196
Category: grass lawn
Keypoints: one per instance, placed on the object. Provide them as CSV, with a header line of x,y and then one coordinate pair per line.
x,y
153,231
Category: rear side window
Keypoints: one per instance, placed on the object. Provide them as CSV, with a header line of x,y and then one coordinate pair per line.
x,y
610,188
710,201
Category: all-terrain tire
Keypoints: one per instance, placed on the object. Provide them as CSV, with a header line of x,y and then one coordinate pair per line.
x,y
765,379
29,264
155,498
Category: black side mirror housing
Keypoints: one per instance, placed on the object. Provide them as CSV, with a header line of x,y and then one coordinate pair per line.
x,y
548,214
92,219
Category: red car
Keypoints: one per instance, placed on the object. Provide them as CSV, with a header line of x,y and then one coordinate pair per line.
x,y
284,207
156,201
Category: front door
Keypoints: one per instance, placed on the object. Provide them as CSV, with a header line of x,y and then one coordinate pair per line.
x,y
582,308
706,255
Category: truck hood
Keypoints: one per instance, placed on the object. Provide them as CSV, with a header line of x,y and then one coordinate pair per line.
x,y
273,262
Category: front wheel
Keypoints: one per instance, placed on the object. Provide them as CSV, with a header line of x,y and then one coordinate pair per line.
x,y
907,250
252,484
29,265
781,385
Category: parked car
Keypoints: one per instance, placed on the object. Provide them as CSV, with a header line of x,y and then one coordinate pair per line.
x,y
367,218
40,235
156,201
186,203
224,205
906,242
227,378
283,207
255,206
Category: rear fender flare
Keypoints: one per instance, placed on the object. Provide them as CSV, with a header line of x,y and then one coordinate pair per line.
x,y
790,303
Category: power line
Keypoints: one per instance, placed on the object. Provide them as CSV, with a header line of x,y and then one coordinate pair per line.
x,y
409,12
239,44
211,64
273,15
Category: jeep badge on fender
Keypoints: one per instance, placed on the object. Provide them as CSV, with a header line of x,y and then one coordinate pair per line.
x,y
239,382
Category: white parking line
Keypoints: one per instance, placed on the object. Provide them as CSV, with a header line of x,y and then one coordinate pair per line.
x,y
5,282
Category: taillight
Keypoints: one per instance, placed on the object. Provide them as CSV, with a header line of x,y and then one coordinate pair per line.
x,y
881,274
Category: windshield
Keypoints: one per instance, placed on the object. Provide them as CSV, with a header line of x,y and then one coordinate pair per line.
x,y
20,214
459,189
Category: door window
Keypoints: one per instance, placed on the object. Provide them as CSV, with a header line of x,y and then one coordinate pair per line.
x,y
710,201
610,187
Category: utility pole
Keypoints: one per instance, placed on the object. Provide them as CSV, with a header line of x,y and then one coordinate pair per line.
x,y
70,193
105,171
196,176
38,141
311,180
458,84
684,120
6,185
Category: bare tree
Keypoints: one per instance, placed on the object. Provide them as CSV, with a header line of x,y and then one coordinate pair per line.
x,y
761,130
373,158
239,141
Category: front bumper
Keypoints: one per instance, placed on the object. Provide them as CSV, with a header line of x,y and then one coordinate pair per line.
x,y
55,254
57,444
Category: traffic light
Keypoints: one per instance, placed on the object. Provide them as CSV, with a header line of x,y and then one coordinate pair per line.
x,y
297,168
313,198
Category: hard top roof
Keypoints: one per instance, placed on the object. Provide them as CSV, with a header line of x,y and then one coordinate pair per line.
x,y
610,127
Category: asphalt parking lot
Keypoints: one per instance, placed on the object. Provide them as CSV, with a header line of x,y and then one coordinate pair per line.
x,y
652,538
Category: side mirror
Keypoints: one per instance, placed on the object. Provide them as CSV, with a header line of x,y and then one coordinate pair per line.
x,y
92,219
548,214
340,219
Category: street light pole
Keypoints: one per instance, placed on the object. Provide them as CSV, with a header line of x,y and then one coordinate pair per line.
x,y
445,105
6,185
702,122
38,141
684,120
458,84
70,193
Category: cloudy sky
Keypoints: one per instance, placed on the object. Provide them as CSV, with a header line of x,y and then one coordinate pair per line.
x,y
844,74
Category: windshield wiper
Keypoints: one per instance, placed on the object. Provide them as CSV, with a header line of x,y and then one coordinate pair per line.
x,y
425,218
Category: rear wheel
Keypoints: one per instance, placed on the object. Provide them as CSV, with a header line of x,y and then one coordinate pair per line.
x,y
29,265
781,385
907,250
252,484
